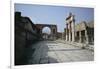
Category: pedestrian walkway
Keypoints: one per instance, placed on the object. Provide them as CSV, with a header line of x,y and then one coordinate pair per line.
x,y
56,52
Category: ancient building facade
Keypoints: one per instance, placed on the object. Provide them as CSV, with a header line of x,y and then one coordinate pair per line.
x,y
82,32
59,35
85,32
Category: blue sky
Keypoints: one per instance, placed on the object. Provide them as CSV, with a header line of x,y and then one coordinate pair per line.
x,y
46,14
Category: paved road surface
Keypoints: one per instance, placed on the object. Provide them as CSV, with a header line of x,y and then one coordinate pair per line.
x,y
56,52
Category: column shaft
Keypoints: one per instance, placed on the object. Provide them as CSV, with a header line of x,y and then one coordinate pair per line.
x,y
86,36
66,32
69,31
73,31
80,37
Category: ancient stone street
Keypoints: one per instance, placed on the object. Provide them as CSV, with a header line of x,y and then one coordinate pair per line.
x,y
57,52
53,38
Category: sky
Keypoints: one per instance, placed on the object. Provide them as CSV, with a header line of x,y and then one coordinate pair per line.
x,y
48,14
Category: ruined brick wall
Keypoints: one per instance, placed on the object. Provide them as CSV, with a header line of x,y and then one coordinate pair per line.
x,y
24,35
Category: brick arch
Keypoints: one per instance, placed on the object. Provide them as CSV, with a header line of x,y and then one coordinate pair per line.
x,y
52,27
45,27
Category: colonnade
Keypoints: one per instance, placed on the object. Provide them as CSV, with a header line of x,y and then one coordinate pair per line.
x,y
70,28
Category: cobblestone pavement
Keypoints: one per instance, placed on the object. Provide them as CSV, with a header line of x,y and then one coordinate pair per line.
x,y
56,52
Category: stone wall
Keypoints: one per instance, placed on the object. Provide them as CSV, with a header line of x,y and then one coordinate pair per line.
x,y
25,35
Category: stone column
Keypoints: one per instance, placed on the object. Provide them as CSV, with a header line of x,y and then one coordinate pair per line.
x,y
69,31
66,32
73,31
86,36
51,36
55,33
80,37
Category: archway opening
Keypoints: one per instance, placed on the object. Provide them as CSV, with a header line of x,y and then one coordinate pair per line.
x,y
46,33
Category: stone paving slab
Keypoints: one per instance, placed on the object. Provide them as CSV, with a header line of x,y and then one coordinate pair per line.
x,y
56,52
53,57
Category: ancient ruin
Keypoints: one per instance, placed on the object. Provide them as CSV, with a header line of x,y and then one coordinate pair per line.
x,y
82,32
70,26
53,29
32,46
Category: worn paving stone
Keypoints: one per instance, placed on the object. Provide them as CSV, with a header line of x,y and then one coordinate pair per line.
x,y
56,52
